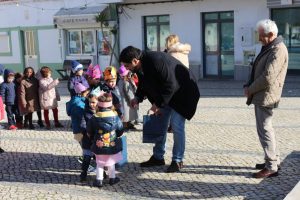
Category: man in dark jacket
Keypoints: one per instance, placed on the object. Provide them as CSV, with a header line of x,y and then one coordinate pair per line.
x,y
166,83
8,94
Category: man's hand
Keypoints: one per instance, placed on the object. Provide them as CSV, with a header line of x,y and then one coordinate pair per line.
x,y
154,110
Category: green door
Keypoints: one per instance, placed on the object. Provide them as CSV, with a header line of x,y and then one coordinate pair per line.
x,y
218,44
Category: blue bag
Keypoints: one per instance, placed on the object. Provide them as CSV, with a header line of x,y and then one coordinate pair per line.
x,y
154,128
124,152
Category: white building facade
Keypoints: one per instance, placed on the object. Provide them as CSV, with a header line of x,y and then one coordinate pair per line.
x,y
47,32
222,33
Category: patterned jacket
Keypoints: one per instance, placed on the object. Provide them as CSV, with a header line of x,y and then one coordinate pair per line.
x,y
105,129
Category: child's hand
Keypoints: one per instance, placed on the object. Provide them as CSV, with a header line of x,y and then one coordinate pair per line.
x,y
56,81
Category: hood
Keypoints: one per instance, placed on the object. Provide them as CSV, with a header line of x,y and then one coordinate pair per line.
x,y
6,73
181,48
1,69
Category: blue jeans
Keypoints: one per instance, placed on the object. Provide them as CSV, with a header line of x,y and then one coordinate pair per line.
x,y
178,126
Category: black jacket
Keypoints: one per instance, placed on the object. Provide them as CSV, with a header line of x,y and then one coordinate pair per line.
x,y
166,81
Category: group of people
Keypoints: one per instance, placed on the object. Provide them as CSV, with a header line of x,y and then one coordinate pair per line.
x,y
100,112
99,105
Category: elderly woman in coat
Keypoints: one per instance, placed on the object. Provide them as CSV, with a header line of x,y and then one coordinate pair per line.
x,y
49,96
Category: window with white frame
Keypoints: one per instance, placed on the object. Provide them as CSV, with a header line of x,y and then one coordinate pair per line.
x,y
5,42
81,41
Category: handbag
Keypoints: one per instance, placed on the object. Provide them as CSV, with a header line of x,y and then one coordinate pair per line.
x,y
154,128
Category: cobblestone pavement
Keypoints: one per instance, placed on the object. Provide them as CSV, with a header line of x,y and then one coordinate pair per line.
x,y
222,148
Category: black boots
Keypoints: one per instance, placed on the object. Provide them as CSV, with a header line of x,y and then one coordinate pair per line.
x,y
84,167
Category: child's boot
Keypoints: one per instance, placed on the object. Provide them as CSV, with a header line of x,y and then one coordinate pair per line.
x,y
84,167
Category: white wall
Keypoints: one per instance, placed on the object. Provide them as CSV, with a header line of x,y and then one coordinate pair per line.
x,y
185,20
15,43
50,50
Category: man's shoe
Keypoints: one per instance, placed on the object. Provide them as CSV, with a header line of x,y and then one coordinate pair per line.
x,y
97,183
153,162
175,167
113,181
265,173
263,165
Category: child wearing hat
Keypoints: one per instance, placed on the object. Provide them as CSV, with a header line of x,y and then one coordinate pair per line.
x,y
93,75
8,94
110,86
76,77
127,91
105,129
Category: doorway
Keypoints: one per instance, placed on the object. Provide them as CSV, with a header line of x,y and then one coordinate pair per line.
x,y
218,44
30,49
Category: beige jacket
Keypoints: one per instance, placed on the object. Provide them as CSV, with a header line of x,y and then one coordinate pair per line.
x,y
47,93
270,69
180,52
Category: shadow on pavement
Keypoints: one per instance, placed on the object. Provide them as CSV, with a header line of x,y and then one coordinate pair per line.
x,y
60,169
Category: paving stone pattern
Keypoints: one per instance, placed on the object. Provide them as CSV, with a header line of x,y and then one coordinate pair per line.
x,y
222,149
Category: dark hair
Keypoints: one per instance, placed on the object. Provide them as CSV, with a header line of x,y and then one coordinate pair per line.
x,y
106,97
28,68
18,75
45,71
129,53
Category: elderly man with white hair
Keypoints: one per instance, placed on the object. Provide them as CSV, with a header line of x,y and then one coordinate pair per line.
x,y
264,90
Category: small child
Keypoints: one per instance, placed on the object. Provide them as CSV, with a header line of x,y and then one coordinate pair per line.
x,y
76,77
29,97
127,91
75,109
93,75
110,86
89,111
8,94
2,113
18,116
49,96
105,129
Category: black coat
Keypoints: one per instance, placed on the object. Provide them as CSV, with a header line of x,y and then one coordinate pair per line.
x,y
166,81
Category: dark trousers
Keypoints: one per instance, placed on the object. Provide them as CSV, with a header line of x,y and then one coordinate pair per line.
x,y
10,111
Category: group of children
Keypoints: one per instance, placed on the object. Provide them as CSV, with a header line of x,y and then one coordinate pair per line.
x,y
100,112
24,94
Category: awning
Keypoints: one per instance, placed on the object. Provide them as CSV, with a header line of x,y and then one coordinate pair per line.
x,y
80,17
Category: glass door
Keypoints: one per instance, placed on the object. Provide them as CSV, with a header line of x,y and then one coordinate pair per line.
x,y
218,44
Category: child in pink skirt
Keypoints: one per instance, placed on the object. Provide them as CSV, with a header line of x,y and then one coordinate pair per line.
x,y
105,129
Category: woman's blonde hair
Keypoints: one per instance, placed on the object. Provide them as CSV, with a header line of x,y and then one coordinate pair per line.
x,y
170,40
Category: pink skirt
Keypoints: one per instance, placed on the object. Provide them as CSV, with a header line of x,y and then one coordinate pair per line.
x,y
108,160
2,113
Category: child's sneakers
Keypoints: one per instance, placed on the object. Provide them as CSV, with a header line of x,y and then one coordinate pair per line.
x,y
12,127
